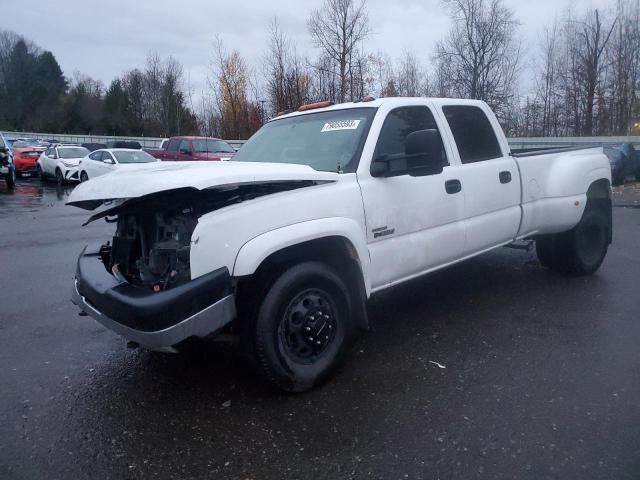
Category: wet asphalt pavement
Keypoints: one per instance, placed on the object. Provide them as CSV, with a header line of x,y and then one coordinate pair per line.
x,y
542,377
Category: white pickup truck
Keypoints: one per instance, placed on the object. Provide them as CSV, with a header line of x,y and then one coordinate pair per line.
x,y
319,210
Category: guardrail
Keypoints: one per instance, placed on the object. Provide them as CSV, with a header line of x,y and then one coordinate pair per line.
x,y
146,142
515,143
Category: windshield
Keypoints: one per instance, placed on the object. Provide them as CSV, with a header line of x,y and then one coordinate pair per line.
x,y
326,141
211,146
72,152
133,157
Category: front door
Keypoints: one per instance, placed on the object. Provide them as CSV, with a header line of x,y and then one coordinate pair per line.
x,y
414,224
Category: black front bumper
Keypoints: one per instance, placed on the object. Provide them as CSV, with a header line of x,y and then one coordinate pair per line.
x,y
161,319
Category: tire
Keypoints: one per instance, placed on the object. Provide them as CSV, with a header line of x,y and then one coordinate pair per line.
x,y
83,176
581,250
310,299
10,179
41,175
59,177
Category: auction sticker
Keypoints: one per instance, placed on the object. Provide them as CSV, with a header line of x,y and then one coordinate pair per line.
x,y
340,125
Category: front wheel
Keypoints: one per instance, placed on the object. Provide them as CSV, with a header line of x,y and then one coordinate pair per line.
x,y
303,327
41,174
59,176
581,250
10,179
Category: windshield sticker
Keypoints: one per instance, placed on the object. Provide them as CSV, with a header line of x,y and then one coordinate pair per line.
x,y
341,125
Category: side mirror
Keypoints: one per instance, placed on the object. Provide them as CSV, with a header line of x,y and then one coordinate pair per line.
x,y
109,161
424,153
423,156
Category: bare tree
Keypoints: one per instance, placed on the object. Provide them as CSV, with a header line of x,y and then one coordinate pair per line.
x,y
594,38
547,78
338,28
624,58
411,79
481,55
288,82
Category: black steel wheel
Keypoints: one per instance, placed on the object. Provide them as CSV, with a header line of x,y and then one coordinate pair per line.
x,y
303,327
59,176
308,326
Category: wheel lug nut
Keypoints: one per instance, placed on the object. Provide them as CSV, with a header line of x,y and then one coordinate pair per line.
x,y
311,339
318,342
308,329
312,318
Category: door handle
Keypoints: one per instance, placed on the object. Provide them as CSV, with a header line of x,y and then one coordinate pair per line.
x,y
505,177
452,186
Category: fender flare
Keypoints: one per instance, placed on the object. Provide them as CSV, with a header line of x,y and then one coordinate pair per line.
x,y
255,251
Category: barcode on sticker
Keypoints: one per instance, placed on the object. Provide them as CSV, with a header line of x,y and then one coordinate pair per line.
x,y
340,125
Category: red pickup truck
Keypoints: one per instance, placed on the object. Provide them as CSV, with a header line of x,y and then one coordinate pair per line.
x,y
194,148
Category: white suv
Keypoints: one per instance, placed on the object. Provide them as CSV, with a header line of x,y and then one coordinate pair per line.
x,y
61,162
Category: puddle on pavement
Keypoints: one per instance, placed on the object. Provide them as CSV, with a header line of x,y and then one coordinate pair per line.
x,y
31,195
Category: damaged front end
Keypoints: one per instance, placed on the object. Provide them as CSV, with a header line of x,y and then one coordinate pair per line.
x,y
139,283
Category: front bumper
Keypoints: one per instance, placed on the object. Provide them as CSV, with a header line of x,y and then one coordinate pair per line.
x,y
70,174
156,321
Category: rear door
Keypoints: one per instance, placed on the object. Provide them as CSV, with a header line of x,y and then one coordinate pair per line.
x,y
91,164
489,178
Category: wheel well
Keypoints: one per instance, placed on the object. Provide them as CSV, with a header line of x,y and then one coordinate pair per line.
x,y
337,252
599,197
599,189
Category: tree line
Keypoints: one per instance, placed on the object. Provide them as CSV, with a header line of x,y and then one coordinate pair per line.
x,y
585,76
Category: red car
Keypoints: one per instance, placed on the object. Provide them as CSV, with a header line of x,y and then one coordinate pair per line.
x,y
194,148
24,157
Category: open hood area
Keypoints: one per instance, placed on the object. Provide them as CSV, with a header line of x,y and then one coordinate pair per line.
x,y
165,176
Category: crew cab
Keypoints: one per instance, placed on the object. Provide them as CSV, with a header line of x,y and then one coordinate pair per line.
x,y
193,149
318,211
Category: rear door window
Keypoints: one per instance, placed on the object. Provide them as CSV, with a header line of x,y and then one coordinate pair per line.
x,y
185,146
97,156
475,138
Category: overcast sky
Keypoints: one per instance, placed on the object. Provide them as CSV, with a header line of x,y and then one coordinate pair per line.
x,y
104,38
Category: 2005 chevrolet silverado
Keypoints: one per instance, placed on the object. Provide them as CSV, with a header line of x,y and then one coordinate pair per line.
x,y
319,210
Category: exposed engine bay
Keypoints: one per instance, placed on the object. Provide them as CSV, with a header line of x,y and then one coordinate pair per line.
x,y
152,244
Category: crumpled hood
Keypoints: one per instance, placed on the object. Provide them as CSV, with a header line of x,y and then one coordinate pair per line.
x,y
164,176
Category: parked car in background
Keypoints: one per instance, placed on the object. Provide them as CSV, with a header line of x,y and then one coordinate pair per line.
x,y
25,155
7,168
123,144
624,161
108,160
161,147
194,149
61,162
92,147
